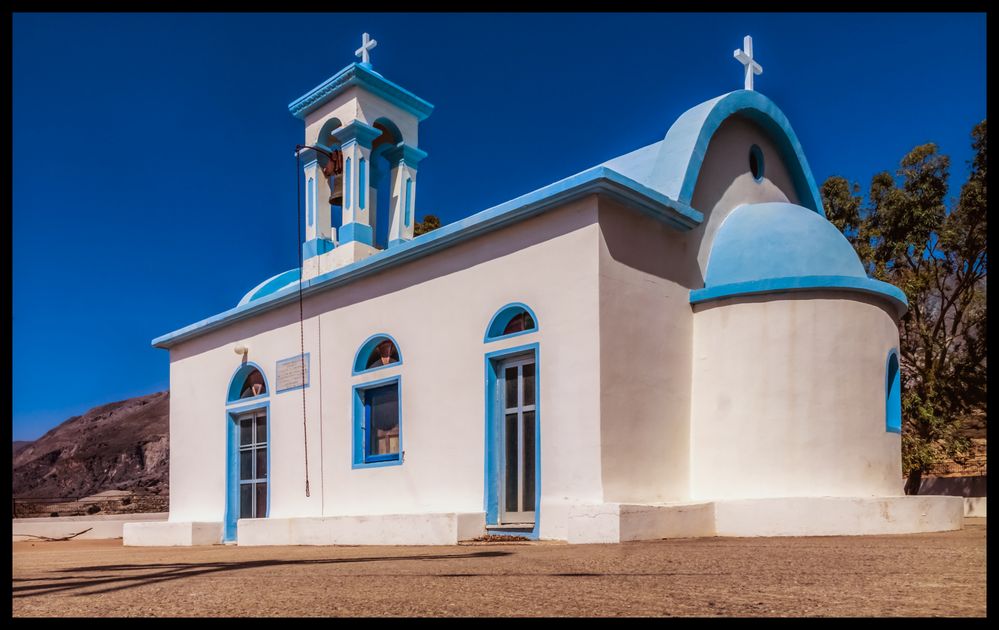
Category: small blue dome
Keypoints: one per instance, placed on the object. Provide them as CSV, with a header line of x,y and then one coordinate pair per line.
x,y
778,240
778,247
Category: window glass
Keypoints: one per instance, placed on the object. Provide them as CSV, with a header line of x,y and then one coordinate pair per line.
x,y
383,424
512,319
261,429
253,385
245,432
512,458
528,384
510,376
246,500
383,354
246,464
520,322
528,460
261,471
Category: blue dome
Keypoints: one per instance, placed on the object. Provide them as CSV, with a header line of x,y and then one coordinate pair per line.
x,y
776,247
777,240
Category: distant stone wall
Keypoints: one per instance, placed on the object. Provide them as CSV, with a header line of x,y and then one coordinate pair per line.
x,y
85,506
973,466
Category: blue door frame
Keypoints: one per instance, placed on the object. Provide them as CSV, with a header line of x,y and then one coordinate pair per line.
x,y
232,465
494,446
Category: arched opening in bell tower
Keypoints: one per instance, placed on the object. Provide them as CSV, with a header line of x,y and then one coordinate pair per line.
x,y
381,180
334,180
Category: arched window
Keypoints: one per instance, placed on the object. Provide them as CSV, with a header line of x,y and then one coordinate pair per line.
x,y
512,319
248,461
377,405
893,395
378,351
247,382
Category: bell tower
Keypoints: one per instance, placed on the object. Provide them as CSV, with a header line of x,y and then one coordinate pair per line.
x,y
370,126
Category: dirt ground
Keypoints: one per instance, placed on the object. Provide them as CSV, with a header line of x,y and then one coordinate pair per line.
x,y
941,574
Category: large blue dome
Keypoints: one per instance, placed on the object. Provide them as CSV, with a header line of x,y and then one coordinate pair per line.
x,y
771,247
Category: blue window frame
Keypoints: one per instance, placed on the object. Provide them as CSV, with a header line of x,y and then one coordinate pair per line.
x,y
893,394
378,423
511,320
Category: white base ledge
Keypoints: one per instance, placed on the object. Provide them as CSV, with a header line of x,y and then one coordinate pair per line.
x,y
974,506
382,529
792,516
171,534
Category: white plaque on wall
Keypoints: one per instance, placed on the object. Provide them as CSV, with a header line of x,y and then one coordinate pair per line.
x,y
289,373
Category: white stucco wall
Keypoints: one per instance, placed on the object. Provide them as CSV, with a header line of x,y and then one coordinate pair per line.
x,y
646,327
437,308
789,398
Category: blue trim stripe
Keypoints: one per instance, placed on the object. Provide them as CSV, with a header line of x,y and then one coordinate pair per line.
x,y
682,151
891,293
354,231
364,76
316,247
597,180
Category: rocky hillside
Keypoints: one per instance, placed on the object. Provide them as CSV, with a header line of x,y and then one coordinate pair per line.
x,y
118,446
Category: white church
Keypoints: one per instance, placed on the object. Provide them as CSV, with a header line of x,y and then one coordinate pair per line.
x,y
673,343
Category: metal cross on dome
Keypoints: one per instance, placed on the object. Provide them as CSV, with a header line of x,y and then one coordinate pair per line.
x,y
366,44
745,56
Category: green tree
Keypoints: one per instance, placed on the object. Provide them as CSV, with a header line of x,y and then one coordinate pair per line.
x,y
906,234
430,222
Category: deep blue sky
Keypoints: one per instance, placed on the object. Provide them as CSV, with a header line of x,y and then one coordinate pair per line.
x,y
153,172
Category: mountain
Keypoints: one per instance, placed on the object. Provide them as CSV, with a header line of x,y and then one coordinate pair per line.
x,y
19,444
122,445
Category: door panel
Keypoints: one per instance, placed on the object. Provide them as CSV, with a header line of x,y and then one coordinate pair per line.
x,y
518,439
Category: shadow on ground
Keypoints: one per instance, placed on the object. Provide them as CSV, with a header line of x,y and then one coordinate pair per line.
x,y
165,572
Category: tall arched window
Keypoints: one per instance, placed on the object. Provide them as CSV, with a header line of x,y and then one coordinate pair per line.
x,y
893,394
513,319
247,442
377,404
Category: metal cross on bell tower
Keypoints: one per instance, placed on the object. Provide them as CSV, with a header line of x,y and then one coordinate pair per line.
x,y
745,56
366,44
